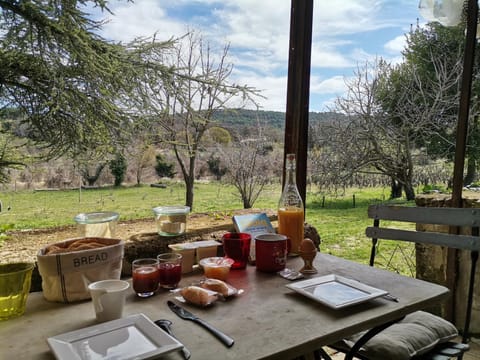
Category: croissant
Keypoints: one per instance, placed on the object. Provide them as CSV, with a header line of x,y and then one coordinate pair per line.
x,y
198,296
219,286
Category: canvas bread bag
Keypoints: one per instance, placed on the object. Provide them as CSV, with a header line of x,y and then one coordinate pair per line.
x,y
68,267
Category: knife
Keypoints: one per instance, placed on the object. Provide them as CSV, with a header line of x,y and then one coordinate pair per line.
x,y
165,325
187,315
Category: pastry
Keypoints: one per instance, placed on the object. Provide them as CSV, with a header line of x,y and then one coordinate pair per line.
x,y
198,295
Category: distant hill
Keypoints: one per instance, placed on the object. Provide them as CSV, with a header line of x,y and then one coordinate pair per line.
x,y
244,117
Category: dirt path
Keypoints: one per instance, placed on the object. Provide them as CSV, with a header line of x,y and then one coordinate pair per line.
x,y
23,246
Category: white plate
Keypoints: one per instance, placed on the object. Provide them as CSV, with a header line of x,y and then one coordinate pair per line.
x,y
133,337
336,291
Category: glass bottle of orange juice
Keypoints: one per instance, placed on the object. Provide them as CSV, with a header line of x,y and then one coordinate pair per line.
x,y
290,208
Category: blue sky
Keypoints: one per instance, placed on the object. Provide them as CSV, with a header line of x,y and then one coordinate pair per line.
x,y
346,33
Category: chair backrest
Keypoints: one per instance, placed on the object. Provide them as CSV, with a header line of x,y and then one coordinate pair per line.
x,y
452,217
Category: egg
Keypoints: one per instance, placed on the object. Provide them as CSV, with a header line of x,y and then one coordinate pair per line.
x,y
308,252
307,245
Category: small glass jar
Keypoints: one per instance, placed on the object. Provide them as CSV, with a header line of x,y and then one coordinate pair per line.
x,y
97,224
171,220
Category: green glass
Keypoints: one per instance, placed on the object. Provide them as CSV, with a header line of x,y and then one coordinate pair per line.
x,y
15,282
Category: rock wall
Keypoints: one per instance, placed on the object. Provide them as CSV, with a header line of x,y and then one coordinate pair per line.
x,y
432,260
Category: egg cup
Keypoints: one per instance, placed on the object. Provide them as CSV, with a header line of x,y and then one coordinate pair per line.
x,y
307,252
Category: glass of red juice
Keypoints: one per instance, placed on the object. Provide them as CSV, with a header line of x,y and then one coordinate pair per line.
x,y
170,270
145,276
236,246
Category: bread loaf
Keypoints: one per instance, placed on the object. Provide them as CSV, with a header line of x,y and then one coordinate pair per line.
x,y
82,244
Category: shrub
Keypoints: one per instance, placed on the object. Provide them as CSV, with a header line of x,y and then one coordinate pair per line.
x,y
163,168
118,167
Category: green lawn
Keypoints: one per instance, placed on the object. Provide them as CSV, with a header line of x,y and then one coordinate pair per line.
x,y
341,225
42,209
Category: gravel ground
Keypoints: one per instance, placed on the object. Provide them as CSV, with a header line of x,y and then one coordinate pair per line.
x,y
23,246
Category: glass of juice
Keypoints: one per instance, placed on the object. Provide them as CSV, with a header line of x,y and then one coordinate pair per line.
x,y
170,270
15,280
291,224
145,276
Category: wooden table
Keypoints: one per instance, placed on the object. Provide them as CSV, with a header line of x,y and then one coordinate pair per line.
x,y
267,321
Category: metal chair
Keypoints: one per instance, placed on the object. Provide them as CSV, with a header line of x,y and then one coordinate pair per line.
x,y
454,219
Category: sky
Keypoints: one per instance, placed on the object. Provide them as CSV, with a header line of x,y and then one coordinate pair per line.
x,y
346,33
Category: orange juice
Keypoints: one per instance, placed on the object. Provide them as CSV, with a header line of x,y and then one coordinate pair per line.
x,y
290,224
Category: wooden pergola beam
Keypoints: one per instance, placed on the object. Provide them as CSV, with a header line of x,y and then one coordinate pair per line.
x,y
298,88
461,144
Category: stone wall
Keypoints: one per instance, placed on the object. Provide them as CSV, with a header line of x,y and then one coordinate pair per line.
x,y
431,261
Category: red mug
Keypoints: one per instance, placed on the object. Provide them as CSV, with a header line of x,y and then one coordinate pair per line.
x,y
271,252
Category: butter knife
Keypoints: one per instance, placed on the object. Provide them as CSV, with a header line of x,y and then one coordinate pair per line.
x,y
187,315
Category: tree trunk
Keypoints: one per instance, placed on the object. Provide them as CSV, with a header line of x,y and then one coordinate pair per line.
x,y
409,191
92,179
472,152
396,189
246,203
189,193
139,176
188,176
189,182
471,171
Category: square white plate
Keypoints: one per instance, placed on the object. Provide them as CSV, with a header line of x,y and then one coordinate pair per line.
x,y
132,337
336,291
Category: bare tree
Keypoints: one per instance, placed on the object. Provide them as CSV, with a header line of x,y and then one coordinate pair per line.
x,y
90,174
90,166
141,154
184,105
387,114
249,166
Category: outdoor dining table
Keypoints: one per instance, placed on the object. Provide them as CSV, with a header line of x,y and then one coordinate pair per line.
x,y
267,320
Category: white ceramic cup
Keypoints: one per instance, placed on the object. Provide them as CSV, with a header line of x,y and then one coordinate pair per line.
x,y
108,298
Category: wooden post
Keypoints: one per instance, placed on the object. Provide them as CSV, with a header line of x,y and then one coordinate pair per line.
x,y
298,88
461,143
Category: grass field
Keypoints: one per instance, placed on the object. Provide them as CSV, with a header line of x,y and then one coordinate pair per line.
x,y
340,220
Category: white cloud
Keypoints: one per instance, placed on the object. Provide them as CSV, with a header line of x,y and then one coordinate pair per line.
x,y
258,32
333,86
273,89
254,23
332,18
328,57
396,45
141,19
262,63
